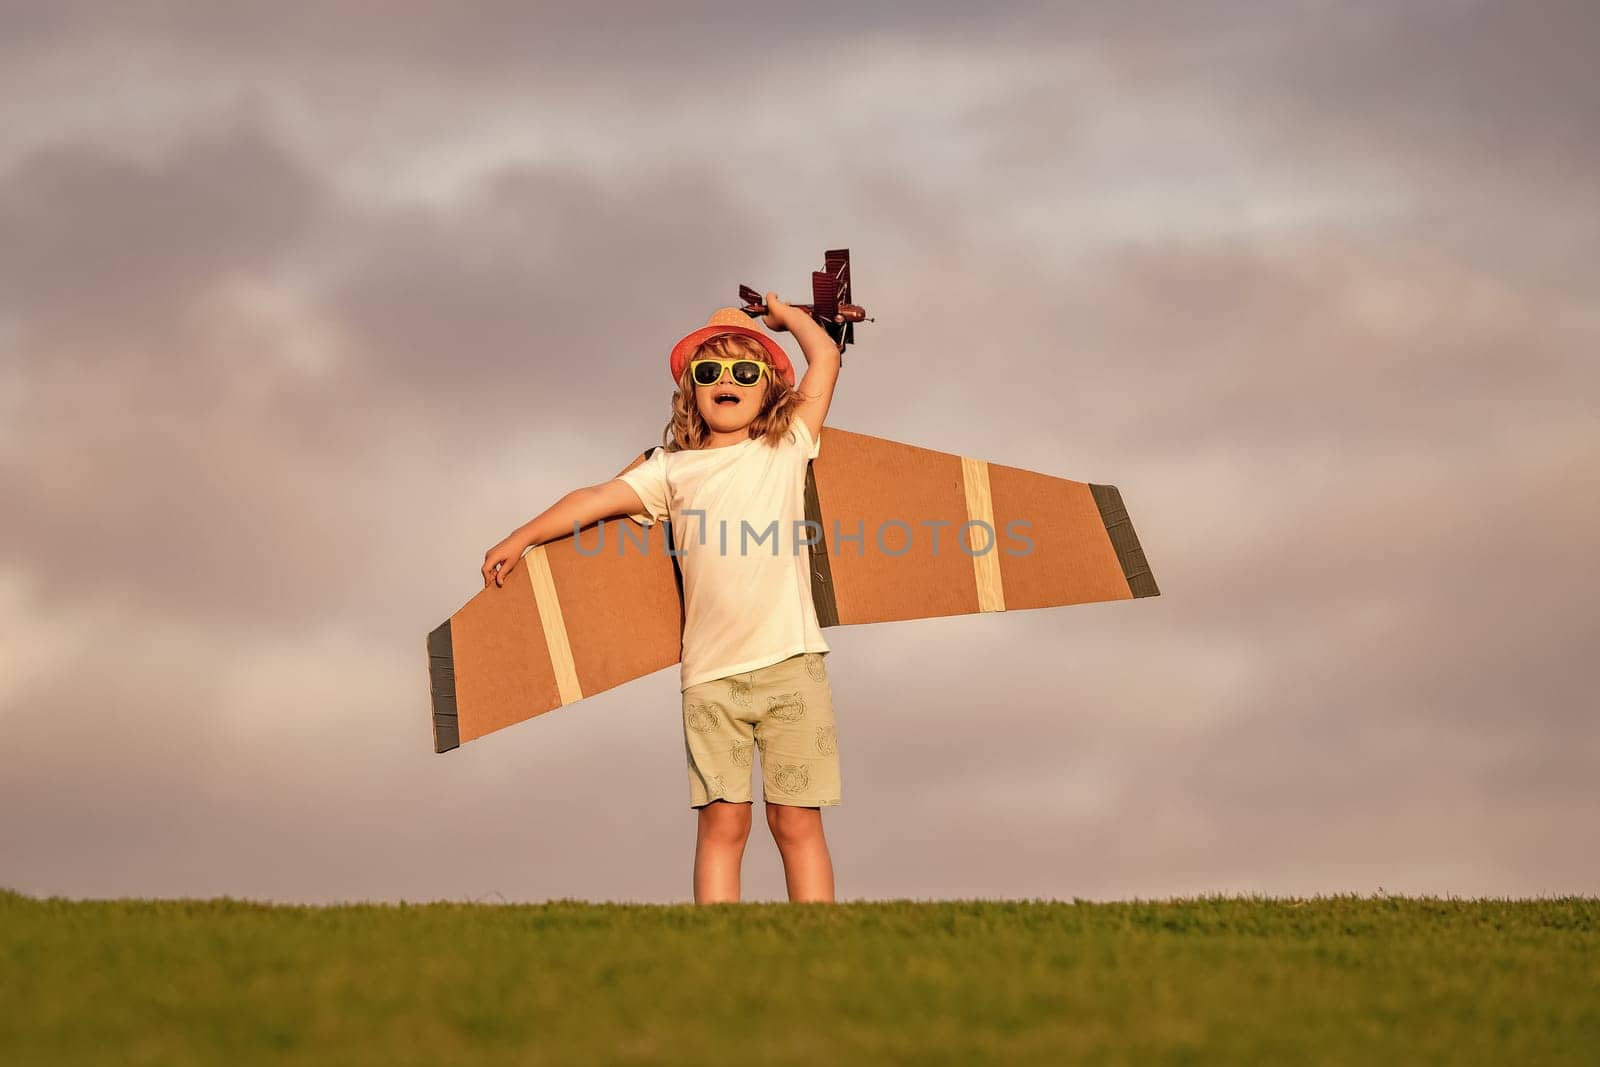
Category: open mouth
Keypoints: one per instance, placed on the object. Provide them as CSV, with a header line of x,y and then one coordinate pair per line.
x,y
726,398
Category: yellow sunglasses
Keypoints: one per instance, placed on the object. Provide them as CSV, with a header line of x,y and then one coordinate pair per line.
x,y
746,372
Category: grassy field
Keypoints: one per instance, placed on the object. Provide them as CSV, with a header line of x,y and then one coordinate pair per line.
x,y
1228,980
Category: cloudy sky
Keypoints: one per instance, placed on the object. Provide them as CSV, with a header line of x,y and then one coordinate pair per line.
x,y
303,308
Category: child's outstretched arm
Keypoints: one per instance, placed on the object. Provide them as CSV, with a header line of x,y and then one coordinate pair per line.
x,y
582,506
822,360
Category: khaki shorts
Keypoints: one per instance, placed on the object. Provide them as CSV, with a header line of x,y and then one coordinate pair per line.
x,y
786,711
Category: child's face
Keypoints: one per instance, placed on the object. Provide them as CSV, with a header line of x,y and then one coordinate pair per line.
x,y
725,415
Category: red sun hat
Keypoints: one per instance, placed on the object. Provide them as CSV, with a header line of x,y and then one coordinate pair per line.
x,y
729,320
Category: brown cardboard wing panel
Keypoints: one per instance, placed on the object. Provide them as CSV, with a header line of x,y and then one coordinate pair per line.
x,y
618,591
616,594
892,496
891,515
1070,560
503,672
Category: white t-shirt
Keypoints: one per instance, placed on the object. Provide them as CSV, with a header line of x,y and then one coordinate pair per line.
x,y
746,561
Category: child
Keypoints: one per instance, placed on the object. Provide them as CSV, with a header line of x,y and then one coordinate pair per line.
x,y
753,674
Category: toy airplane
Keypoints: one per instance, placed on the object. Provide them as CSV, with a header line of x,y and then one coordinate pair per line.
x,y
830,299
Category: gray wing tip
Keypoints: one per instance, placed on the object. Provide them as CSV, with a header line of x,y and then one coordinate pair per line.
x,y
442,684
1119,528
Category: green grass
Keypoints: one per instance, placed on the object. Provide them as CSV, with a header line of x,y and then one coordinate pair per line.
x,y
1338,979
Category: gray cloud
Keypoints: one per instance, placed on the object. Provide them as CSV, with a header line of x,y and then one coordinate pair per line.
x,y
87,235
489,37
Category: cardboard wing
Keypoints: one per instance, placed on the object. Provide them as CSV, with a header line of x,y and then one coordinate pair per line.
x,y
902,533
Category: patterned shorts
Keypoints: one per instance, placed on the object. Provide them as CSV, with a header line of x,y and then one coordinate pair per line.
x,y
786,712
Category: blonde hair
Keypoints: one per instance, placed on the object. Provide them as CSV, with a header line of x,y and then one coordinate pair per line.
x,y
687,428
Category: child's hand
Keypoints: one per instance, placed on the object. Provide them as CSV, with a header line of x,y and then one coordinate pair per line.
x,y
778,314
498,561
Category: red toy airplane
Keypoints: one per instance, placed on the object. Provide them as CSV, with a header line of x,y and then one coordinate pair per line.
x,y
830,296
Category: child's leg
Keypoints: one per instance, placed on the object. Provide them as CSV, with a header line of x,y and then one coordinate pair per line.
x,y
799,747
719,851
807,867
720,747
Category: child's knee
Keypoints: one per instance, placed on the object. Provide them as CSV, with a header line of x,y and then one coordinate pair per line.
x,y
790,824
724,822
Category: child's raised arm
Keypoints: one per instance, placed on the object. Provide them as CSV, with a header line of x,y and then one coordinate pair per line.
x,y
582,506
822,360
